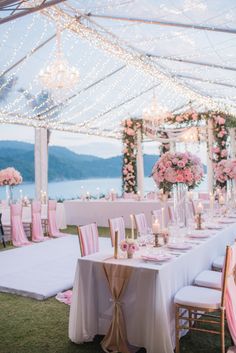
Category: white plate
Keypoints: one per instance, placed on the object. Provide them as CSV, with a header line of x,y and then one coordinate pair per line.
x,y
200,235
179,246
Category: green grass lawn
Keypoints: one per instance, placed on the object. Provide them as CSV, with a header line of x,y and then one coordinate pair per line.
x,y
31,326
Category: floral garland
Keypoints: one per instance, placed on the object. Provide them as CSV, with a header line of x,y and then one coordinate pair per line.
x,y
129,168
221,123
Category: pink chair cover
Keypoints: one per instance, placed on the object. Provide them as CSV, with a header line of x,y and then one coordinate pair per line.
x,y
52,224
6,218
18,234
89,239
141,223
117,224
37,230
230,293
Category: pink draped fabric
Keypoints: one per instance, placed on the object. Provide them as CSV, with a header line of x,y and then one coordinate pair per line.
x,y
88,236
230,293
141,223
37,230
117,224
18,234
52,224
65,297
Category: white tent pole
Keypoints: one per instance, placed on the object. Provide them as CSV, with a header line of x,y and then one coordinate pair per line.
x,y
210,155
232,143
140,167
41,161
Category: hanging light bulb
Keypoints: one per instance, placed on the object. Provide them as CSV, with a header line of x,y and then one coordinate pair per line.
x,y
59,74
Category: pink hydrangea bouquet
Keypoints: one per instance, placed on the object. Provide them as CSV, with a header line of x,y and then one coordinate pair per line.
x,y
130,246
174,168
10,176
225,170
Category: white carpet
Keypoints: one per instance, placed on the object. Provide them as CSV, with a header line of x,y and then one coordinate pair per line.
x,y
42,270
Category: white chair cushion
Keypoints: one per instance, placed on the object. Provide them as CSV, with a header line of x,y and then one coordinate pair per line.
x,y
198,297
219,262
210,279
232,349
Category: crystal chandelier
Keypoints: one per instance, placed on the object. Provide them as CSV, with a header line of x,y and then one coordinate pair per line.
x,y
156,114
59,74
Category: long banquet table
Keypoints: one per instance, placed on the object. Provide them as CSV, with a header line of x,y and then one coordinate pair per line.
x,y
80,212
148,300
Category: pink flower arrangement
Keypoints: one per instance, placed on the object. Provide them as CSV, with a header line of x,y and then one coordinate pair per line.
x,y
225,170
173,168
129,245
10,176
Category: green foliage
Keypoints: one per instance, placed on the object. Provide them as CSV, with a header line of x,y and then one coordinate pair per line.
x,y
129,167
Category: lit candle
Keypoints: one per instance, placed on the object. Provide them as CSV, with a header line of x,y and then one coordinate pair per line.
x,y
21,194
199,208
88,194
162,218
132,226
156,227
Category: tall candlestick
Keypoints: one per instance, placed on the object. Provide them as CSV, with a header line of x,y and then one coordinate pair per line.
x,y
132,226
116,244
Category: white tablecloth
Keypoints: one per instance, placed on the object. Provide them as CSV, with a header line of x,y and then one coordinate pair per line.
x,y
84,212
148,301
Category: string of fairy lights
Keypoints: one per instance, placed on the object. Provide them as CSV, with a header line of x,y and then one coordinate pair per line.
x,y
94,111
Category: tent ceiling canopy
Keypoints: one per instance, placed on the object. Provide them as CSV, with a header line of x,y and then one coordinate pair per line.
x,y
123,50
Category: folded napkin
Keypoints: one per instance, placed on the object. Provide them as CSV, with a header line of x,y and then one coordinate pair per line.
x,y
157,257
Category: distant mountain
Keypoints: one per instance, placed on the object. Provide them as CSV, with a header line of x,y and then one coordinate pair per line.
x,y
63,163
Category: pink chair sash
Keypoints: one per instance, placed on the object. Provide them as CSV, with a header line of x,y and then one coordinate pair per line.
x,y
117,224
141,223
37,230
18,234
52,223
230,293
89,239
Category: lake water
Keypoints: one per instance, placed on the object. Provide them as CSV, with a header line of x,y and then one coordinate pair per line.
x,y
74,188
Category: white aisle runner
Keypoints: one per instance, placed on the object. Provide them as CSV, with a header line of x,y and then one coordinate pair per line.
x,y
42,270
